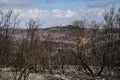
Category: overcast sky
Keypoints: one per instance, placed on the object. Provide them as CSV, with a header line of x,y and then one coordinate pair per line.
x,y
55,12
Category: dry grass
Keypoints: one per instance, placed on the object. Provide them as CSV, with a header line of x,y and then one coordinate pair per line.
x,y
5,74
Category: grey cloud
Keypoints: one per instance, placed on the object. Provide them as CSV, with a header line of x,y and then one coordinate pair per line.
x,y
104,4
50,1
97,5
17,4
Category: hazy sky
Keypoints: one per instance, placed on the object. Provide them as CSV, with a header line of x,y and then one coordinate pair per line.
x,y
55,12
